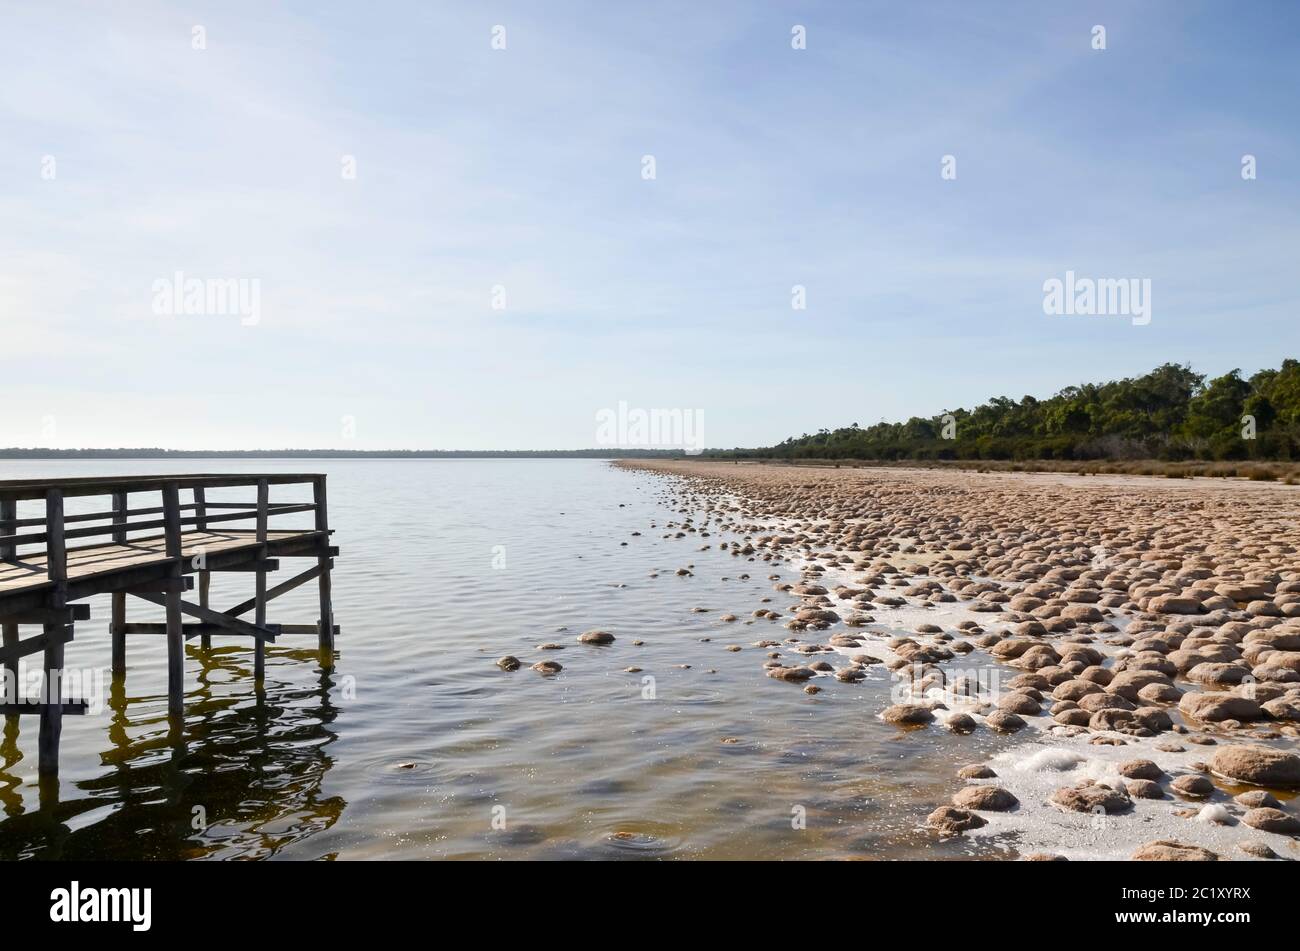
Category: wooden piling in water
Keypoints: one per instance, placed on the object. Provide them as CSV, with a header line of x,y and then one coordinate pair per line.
x,y
325,625
56,555
51,712
172,597
9,629
259,609
205,576
117,625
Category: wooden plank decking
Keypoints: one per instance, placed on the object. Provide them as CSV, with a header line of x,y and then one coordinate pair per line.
x,y
97,561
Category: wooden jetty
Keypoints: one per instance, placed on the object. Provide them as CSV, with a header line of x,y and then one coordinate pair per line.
x,y
49,561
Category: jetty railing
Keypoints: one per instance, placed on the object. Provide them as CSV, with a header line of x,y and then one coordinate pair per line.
x,y
151,551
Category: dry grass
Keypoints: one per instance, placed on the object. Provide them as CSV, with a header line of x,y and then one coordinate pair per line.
x,y
1286,472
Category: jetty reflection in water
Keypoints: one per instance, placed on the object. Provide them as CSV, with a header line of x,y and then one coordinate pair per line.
x,y
240,777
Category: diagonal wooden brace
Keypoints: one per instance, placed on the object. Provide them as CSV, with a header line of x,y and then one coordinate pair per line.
x,y
33,645
285,586
268,633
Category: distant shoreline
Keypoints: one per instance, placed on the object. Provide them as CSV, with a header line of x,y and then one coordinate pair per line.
x,y
1254,470
14,453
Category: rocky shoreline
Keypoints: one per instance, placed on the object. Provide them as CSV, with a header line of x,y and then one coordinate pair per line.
x,y
1139,638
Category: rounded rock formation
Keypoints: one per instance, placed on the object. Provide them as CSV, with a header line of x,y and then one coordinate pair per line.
x,y
1268,819
950,820
985,799
1165,850
1257,765
907,714
1092,798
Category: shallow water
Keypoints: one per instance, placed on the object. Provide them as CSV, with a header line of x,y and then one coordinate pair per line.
x,y
417,746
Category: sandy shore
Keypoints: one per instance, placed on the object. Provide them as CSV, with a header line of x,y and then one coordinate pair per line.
x,y
1143,637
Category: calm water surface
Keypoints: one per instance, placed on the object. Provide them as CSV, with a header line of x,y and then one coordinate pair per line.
x,y
416,746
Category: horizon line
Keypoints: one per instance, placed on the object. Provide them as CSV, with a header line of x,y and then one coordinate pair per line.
x,y
146,452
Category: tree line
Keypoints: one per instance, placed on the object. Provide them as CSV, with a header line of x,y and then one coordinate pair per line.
x,y
1171,413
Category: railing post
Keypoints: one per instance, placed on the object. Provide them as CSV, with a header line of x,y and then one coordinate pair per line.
x,y
205,576
8,552
172,599
8,515
56,551
117,627
56,554
325,626
259,609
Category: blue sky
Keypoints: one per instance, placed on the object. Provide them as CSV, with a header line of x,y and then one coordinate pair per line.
x,y
522,168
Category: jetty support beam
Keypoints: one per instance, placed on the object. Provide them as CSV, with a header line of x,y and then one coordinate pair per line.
x,y
325,625
47,763
172,602
205,576
259,605
117,624
8,552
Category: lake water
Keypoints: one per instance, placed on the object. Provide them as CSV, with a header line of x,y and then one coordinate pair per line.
x,y
417,746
